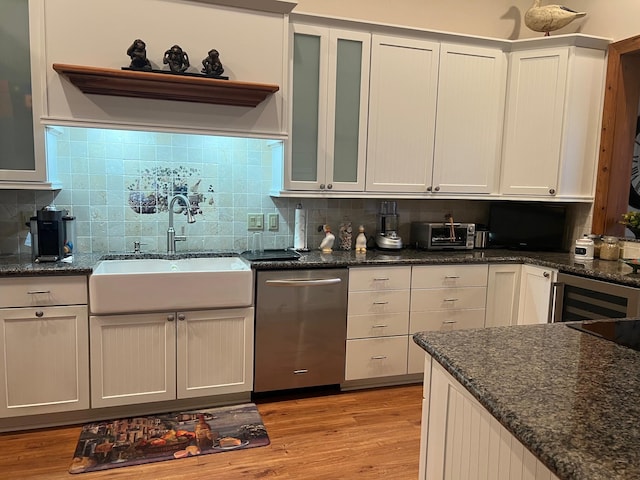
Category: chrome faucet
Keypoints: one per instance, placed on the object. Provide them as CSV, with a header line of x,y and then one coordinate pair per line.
x,y
172,238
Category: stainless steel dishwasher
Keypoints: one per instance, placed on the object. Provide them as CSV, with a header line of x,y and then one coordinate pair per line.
x,y
300,331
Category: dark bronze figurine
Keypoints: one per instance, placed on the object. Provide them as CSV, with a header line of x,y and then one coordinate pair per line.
x,y
177,59
138,53
212,64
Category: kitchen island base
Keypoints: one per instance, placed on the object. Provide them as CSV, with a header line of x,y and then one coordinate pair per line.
x,y
461,439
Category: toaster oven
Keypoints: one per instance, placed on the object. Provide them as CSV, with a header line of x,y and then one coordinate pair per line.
x,y
443,236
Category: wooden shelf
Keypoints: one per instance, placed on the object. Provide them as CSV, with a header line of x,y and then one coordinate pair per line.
x,y
161,86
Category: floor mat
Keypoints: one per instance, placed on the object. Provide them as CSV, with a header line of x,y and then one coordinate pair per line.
x,y
155,438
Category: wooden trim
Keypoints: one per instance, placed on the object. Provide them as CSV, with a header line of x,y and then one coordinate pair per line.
x,y
161,86
622,93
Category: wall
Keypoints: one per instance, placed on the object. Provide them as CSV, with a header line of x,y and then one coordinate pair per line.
x,y
109,176
615,19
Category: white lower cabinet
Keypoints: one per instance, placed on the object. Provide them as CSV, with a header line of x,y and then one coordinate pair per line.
x,y
151,357
462,440
445,297
503,289
44,342
377,322
44,367
535,302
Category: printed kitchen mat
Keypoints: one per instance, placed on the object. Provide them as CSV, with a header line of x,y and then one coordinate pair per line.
x,y
139,440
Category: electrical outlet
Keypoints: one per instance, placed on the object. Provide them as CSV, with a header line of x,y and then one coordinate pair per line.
x,y
273,219
255,221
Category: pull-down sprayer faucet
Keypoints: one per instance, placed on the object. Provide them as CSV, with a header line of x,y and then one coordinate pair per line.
x,y
172,238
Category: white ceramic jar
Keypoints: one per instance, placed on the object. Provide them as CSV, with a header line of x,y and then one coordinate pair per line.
x,y
584,248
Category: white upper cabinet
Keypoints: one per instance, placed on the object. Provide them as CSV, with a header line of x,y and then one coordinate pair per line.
x,y
23,163
402,113
329,105
470,109
553,115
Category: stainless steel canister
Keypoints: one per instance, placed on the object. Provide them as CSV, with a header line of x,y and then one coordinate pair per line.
x,y
482,239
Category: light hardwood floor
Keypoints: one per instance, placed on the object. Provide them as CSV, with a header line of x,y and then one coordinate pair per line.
x,y
366,434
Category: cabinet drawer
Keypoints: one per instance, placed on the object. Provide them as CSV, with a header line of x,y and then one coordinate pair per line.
x,y
384,325
42,291
444,320
391,301
438,276
379,278
376,357
448,298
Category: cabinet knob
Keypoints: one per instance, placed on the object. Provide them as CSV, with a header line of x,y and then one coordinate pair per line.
x,y
171,317
429,189
552,191
546,274
330,186
437,189
182,316
39,314
322,186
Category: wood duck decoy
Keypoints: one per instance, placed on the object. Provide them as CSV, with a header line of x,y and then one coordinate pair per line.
x,y
547,18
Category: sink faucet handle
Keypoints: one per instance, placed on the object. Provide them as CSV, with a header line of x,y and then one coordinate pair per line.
x,y
136,246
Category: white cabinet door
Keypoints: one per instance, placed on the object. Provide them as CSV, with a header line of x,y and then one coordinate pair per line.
x,y
533,123
402,113
471,92
329,109
44,366
215,352
23,162
534,304
463,440
503,291
133,359
552,123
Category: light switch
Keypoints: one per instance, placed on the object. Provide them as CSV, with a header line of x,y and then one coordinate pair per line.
x,y
255,221
273,219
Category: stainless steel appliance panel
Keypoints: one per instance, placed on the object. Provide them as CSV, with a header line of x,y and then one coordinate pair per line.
x,y
300,331
580,298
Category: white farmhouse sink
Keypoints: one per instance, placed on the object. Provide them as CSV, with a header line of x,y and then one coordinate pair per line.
x,y
151,284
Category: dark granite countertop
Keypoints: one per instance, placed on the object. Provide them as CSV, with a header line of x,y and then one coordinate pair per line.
x,y
611,271
571,398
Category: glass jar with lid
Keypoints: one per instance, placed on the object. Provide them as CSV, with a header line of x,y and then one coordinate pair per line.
x,y
597,244
610,249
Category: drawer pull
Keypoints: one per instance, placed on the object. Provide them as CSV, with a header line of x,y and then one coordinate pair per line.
x,y
380,303
451,277
39,314
450,299
38,292
450,321
379,326
378,357
381,279
301,371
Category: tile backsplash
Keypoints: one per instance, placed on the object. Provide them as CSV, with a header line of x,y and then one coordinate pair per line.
x,y
118,184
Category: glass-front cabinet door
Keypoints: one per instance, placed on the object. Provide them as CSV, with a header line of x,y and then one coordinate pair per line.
x,y
22,156
330,88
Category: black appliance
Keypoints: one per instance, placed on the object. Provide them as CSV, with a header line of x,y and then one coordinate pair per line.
x,y
527,226
271,255
52,235
622,332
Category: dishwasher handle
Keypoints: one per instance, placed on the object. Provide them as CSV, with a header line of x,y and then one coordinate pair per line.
x,y
311,282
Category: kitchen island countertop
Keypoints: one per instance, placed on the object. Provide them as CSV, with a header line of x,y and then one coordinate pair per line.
x,y
569,397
